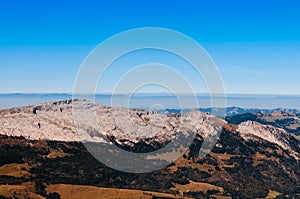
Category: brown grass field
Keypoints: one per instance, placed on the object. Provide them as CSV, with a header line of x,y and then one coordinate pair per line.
x,y
90,192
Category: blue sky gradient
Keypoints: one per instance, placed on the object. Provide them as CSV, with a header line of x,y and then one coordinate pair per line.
x,y
255,44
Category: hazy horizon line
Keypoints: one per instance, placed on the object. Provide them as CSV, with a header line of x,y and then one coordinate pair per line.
x,y
141,93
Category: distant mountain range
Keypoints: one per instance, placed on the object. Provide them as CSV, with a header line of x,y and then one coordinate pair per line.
x,y
145,101
42,155
231,111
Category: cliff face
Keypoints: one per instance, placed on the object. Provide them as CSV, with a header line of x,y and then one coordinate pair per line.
x,y
54,121
51,121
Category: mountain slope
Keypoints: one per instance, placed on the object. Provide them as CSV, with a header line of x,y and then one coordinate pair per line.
x,y
286,119
250,160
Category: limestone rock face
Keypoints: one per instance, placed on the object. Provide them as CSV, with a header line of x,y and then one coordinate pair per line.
x,y
55,121
254,131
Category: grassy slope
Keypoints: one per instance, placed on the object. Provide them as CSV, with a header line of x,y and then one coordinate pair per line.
x,y
90,192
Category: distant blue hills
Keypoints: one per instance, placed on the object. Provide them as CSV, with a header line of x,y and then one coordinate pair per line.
x,y
236,103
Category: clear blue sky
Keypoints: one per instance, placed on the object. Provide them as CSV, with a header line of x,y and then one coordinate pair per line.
x,y
255,44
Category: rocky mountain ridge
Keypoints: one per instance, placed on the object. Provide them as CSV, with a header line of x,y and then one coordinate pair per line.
x,y
54,121
289,120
